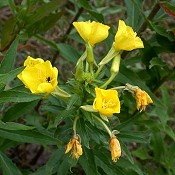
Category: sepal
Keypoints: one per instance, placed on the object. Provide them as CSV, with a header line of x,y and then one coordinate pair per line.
x,y
60,92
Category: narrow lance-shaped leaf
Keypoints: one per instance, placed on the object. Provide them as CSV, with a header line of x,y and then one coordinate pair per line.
x,y
9,57
7,166
28,136
15,96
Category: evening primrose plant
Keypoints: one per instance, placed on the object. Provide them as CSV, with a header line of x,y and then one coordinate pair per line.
x,y
97,100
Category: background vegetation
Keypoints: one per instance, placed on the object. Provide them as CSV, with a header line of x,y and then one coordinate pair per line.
x,y
33,133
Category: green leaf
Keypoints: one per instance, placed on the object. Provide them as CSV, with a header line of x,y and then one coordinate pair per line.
x,y
19,110
5,78
50,43
86,5
44,24
170,132
43,11
74,99
15,96
12,6
64,166
39,171
9,57
166,99
14,126
64,114
161,31
126,152
8,32
87,161
54,161
141,153
103,161
4,3
158,146
68,52
28,136
81,130
133,136
106,168
123,163
169,8
156,62
134,15
7,166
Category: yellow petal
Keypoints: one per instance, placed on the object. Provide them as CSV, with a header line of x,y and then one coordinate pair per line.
x,y
106,102
75,146
142,99
40,77
92,32
99,32
84,29
126,39
30,78
69,146
32,61
45,88
115,148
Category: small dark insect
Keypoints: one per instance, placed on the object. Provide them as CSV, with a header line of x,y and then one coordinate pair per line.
x,y
48,79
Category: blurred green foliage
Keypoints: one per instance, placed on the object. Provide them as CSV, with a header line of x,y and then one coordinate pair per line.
x,y
147,138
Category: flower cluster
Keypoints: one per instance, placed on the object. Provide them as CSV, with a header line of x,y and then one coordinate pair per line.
x,y
40,77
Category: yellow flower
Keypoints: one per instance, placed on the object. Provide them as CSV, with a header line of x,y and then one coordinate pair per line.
x,y
142,99
75,146
106,102
126,39
92,32
39,78
115,148
32,61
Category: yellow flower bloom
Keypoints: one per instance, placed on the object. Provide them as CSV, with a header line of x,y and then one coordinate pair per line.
x,y
126,39
115,148
142,99
39,78
92,32
75,146
106,102
32,61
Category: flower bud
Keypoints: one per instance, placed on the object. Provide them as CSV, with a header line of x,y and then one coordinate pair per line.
x,y
75,146
142,99
115,148
115,64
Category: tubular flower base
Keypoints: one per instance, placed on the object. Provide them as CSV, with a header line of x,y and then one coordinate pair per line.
x,y
92,32
142,99
39,76
126,39
115,148
106,102
75,146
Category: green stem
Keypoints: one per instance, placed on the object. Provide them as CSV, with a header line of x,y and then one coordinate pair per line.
x,y
99,70
108,81
105,126
91,69
87,67
74,125
119,87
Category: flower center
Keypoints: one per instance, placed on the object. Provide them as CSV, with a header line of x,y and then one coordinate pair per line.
x,y
108,104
